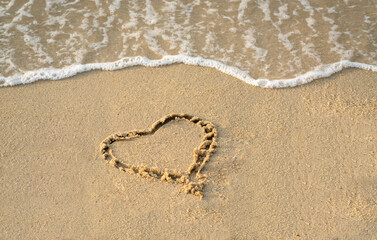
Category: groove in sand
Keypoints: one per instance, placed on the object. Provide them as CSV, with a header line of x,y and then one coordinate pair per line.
x,y
201,154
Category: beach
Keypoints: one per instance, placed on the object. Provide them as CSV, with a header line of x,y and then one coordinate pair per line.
x,y
291,163
242,119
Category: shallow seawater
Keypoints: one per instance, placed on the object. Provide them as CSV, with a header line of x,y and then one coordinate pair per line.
x,y
249,39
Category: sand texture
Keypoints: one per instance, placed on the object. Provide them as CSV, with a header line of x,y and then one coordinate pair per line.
x,y
294,163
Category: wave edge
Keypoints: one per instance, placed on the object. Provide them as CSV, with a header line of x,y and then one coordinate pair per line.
x,y
320,71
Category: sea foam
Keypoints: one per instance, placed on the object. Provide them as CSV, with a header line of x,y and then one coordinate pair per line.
x,y
266,43
69,71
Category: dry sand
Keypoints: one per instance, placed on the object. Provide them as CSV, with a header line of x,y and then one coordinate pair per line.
x,y
295,163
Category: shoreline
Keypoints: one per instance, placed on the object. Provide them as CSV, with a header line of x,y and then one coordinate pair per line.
x,y
320,71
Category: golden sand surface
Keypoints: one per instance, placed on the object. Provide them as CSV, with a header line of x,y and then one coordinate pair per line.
x,y
293,163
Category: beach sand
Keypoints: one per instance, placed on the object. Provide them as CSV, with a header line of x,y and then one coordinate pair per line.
x,y
293,163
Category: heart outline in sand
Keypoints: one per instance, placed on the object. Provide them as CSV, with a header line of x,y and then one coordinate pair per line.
x,y
202,154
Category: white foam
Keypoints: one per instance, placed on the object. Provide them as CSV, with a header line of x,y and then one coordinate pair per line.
x,y
282,14
56,74
264,5
115,5
309,50
241,8
250,41
310,21
307,6
151,16
6,8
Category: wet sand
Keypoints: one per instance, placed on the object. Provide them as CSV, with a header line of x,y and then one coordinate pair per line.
x,y
293,163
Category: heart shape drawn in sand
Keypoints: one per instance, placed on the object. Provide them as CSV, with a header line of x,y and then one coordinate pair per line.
x,y
202,155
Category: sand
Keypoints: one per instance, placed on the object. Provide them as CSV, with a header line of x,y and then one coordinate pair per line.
x,y
294,163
